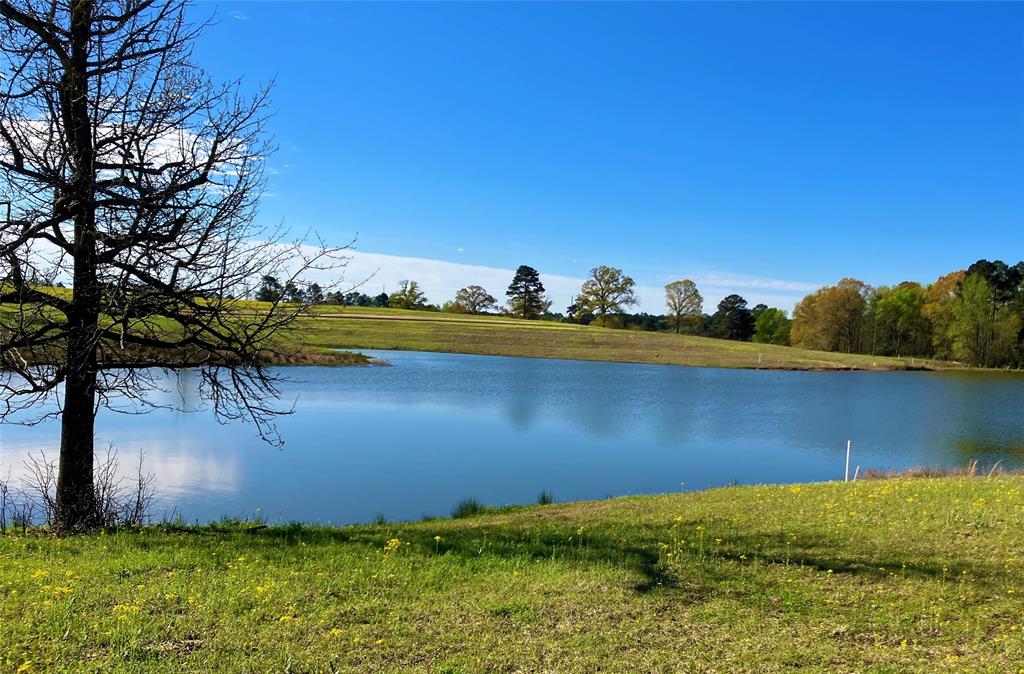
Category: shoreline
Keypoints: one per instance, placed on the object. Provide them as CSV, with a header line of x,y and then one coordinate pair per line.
x,y
398,330
359,350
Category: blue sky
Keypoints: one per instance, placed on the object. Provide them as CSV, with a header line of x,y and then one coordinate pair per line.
x,y
758,148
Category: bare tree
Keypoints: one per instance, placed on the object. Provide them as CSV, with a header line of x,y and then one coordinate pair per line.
x,y
133,179
39,486
118,504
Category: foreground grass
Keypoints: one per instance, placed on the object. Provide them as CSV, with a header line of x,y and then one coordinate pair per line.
x,y
901,575
365,328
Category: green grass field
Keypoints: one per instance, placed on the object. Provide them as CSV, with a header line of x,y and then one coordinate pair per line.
x,y
898,575
366,328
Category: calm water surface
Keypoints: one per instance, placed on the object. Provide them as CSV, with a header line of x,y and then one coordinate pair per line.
x,y
414,438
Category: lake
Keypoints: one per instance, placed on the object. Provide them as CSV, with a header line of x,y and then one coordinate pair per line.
x,y
414,438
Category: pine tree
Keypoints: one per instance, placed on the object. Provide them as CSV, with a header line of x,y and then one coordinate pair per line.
x,y
526,294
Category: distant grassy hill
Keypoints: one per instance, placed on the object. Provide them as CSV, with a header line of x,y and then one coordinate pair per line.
x,y
889,576
369,328
335,327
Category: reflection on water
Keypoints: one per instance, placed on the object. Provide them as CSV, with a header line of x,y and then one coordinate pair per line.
x,y
414,438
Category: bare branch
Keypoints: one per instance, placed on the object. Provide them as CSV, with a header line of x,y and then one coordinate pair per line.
x,y
132,247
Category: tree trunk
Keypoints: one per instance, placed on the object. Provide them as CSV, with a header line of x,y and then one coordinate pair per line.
x,y
76,498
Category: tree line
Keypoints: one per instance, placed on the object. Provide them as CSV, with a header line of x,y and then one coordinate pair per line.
x,y
525,297
975,316
603,299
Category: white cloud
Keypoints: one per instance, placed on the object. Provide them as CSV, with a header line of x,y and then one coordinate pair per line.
x,y
441,279
36,139
373,273
754,283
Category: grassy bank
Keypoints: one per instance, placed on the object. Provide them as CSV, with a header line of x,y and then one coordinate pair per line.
x,y
315,356
901,575
358,327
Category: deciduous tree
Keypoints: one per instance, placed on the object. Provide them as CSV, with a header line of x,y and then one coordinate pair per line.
x,y
939,300
832,318
685,304
408,296
772,327
606,292
899,320
133,179
984,333
474,300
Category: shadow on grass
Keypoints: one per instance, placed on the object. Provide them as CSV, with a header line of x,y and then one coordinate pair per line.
x,y
822,554
495,541
633,548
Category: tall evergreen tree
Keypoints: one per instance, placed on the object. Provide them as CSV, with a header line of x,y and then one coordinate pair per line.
x,y
526,294
315,294
270,290
733,320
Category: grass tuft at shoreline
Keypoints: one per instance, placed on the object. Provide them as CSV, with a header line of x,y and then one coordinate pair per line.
x,y
894,575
